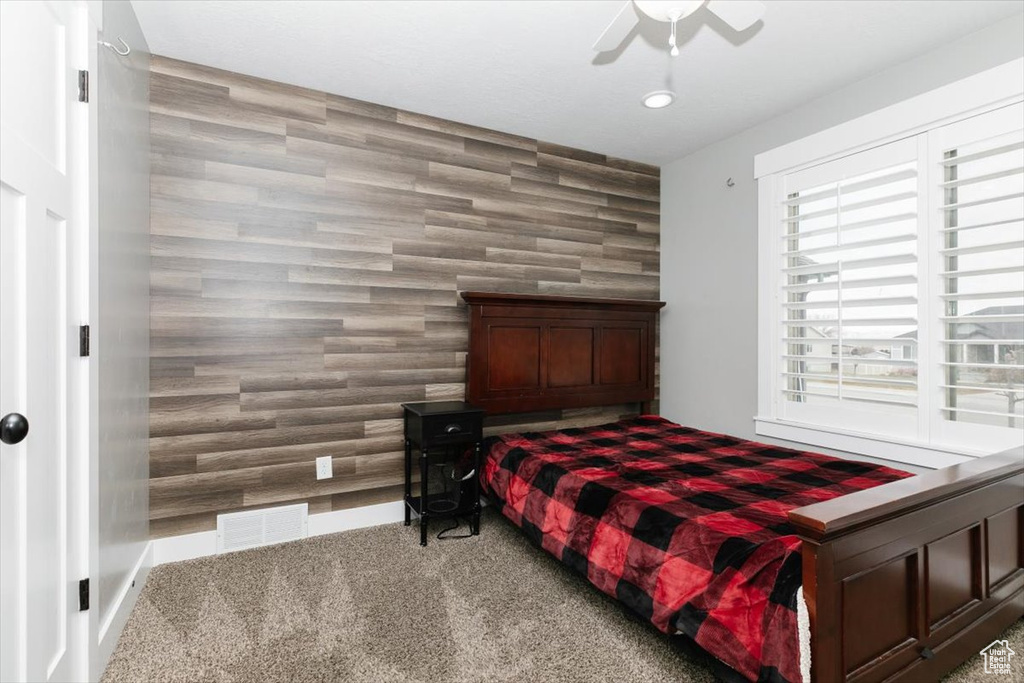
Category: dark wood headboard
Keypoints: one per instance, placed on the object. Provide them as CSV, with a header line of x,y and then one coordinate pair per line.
x,y
530,352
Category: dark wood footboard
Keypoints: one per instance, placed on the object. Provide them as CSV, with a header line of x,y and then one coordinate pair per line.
x,y
905,581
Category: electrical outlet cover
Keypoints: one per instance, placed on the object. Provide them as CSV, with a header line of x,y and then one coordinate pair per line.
x,y
324,467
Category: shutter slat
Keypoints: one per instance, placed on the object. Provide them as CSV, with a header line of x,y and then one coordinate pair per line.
x,y
849,227
981,296
980,342
997,318
853,284
853,206
860,399
898,341
882,401
983,248
949,409
973,387
960,182
979,202
852,303
849,360
988,366
794,392
858,322
978,272
894,239
983,154
852,264
860,380
990,224
858,186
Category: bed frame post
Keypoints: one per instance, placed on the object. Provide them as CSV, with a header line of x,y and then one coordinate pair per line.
x,y
823,608
906,580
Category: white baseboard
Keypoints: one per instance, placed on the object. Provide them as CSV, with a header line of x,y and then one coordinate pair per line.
x,y
204,543
356,518
184,547
113,623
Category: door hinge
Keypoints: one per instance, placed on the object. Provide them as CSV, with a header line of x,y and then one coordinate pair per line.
x,y
83,86
83,340
83,595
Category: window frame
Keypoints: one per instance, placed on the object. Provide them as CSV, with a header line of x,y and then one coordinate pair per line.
x,y
986,91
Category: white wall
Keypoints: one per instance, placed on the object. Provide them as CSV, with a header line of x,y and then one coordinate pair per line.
x,y
709,234
121,307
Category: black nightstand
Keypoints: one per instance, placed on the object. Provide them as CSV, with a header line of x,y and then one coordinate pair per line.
x,y
443,432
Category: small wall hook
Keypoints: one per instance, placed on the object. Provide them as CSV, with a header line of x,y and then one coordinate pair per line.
x,y
127,50
729,182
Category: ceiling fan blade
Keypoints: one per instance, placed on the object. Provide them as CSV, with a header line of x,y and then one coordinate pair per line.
x,y
617,31
739,14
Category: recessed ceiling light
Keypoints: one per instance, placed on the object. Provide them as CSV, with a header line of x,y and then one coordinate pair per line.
x,y
659,99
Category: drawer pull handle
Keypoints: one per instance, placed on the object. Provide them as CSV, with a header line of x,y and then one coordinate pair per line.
x,y
452,429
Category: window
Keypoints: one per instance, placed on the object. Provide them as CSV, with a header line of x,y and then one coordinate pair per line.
x,y
981,246
849,291
892,302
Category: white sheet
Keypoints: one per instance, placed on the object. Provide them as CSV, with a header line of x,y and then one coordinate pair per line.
x,y
803,627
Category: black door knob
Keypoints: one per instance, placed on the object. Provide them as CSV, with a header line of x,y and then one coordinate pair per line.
x,y
13,428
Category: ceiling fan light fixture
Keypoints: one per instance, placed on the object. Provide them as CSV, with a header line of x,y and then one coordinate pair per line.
x,y
659,99
738,14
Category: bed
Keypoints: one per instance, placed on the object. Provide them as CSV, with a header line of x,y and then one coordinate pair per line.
x,y
902,577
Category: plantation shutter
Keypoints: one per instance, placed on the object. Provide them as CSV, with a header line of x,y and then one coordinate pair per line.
x,y
891,278
980,164
849,290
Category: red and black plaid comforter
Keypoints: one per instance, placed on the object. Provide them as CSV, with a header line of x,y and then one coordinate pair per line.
x,y
687,528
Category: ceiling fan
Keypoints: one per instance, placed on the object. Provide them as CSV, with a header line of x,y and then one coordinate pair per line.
x,y
739,14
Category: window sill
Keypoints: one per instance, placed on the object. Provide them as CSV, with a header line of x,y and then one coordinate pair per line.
x,y
862,444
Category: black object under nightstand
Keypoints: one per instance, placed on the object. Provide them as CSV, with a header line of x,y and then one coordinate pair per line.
x,y
443,432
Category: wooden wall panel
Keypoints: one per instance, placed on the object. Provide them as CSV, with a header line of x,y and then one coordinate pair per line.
x,y
307,254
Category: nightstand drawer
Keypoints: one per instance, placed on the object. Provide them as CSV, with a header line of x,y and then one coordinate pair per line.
x,y
442,423
451,429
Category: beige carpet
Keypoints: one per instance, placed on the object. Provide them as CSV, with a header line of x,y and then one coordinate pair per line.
x,y
371,605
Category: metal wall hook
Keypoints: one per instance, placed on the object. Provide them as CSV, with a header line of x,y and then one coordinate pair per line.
x,y
127,50
729,182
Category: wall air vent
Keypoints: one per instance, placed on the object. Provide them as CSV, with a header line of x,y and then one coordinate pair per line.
x,y
253,528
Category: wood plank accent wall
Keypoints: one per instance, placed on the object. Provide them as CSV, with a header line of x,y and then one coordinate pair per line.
x,y
307,254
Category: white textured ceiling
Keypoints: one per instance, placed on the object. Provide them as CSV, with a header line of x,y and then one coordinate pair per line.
x,y
527,67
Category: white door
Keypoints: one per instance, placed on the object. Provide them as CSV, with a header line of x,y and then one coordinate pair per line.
x,y
39,622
